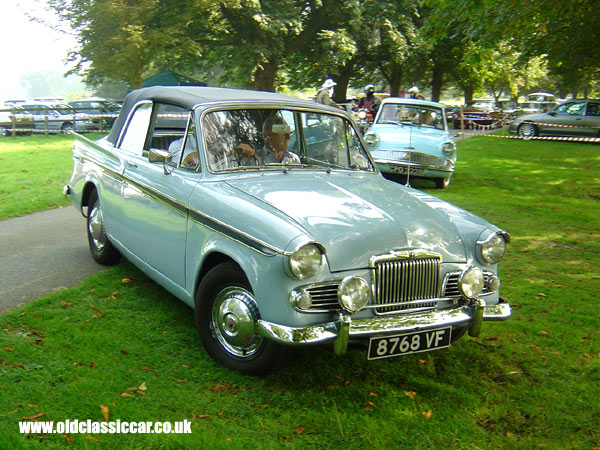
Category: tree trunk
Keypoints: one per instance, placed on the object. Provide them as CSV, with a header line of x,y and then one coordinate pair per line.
x,y
395,80
468,91
342,78
437,82
264,76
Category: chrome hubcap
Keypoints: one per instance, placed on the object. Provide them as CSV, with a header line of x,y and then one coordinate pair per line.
x,y
96,227
234,316
527,131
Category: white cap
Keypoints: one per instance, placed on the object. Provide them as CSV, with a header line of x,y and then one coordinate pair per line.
x,y
414,89
329,83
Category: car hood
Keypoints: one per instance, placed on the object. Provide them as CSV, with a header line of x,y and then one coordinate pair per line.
x,y
538,117
400,136
360,215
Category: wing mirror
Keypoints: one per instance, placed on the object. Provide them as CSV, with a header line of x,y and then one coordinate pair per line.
x,y
156,155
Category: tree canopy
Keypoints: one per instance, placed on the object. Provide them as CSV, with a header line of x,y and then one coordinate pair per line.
x,y
497,46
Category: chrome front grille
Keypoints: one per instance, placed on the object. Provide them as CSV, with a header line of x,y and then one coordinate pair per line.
x,y
405,281
423,159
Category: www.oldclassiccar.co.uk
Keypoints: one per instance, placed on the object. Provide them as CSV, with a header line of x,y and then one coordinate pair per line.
x,y
114,427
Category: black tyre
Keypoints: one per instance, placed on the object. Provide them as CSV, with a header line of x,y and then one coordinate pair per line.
x,y
100,246
66,128
4,131
226,317
442,183
527,130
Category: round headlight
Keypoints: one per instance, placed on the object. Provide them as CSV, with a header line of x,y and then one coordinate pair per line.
x,y
362,114
353,293
371,139
471,282
448,148
493,248
305,261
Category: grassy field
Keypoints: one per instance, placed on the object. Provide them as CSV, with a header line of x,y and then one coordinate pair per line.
x,y
119,346
33,170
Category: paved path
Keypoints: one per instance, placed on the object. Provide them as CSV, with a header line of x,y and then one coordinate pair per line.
x,y
42,252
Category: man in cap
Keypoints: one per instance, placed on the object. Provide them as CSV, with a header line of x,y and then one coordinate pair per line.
x,y
325,93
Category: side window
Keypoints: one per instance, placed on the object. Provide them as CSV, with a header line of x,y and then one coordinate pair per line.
x,y
593,109
576,109
137,129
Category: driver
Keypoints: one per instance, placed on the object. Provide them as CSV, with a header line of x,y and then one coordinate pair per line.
x,y
277,139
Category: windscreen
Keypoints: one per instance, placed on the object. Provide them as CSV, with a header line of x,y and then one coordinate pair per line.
x,y
264,139
421,115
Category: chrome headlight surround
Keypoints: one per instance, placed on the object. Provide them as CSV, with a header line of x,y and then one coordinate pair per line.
x,y
493,248
448,148
305,261
471,282
371,139
353,294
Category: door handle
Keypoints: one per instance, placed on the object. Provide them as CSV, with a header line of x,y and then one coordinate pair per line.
x,y
130,164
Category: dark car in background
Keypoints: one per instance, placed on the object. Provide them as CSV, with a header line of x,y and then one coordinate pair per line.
x,y
571,118
106,111
479,113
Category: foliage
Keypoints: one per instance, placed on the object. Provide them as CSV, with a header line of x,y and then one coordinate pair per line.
x,y
274,44
120,346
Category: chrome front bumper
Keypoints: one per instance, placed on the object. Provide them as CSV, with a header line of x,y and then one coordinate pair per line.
x,y
341,331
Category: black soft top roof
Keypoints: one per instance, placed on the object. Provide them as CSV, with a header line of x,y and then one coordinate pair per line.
x,y
188,97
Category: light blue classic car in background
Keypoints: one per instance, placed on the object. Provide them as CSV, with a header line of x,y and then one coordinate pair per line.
x,y
266,215
410,137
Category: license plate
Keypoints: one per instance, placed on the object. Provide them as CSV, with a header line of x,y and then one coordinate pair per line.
x,y
403,170
404,344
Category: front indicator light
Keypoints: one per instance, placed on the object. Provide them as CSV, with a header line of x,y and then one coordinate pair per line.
x,y
301,299
353,294
371,139
471,282
492,283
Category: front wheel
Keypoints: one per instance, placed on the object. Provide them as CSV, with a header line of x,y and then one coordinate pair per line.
x,y
101,248
442,183
527,130
226,319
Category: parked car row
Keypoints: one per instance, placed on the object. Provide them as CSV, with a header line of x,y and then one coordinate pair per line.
x,y
268,216
14,118
56,117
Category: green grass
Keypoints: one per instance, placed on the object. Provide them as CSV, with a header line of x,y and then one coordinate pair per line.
x,y
33,170
528,383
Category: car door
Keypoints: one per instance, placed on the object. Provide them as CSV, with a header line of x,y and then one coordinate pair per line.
x,y
566,120
592,119
155,195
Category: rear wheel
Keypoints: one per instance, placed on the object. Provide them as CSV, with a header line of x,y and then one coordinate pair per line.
x,y
101,248
66,128
527,130
4,131
226,319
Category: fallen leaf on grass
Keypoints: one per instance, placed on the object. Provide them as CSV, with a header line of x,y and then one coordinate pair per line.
x,y
299,430
224,387
105,411
127,280
100,313
410,394
113,296
200,416
373,394
148,369
125,352
35,416
427,414
369,405
8,349
91,438
126,395
543,333
65,304
68,438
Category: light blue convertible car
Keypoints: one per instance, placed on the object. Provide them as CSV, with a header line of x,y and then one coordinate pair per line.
x,y
266,215
410,138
